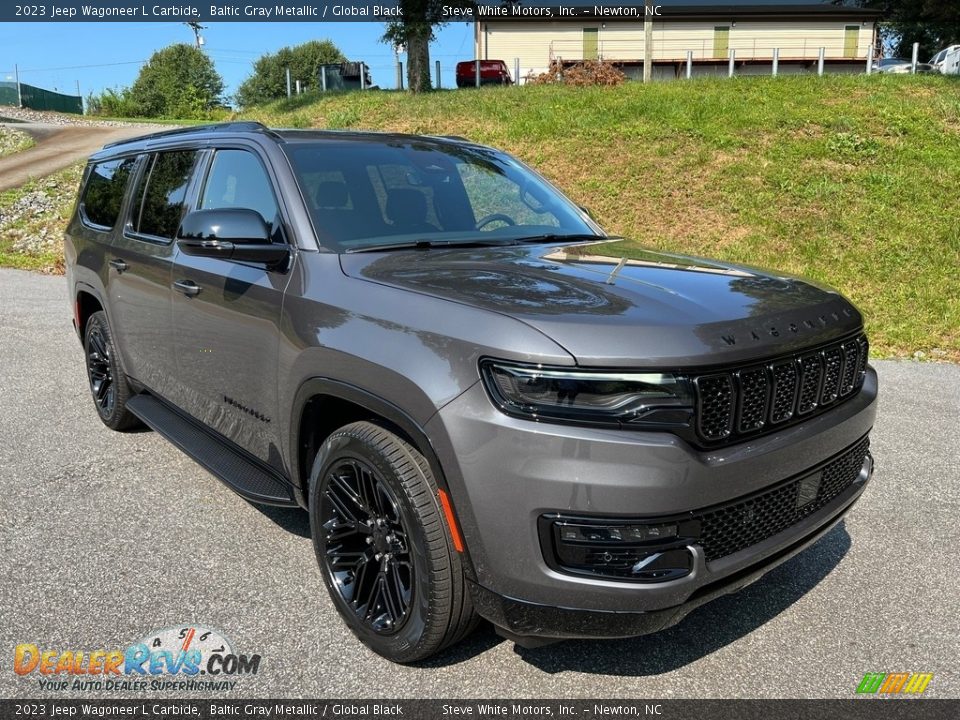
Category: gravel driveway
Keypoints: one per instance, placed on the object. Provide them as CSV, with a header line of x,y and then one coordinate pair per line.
x,y
105,537
58,146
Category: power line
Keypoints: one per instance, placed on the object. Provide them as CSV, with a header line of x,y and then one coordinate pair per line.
x,y
80,67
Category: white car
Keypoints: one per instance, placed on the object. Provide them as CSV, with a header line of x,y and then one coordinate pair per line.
x,y
947,61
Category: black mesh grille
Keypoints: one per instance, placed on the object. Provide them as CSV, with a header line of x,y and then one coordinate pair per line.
x,y
784,391
746,401
733,528
715,413
753,399
811,370
832,360
851,359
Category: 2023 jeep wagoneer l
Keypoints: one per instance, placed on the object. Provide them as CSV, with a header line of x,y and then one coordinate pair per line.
x,y
423,343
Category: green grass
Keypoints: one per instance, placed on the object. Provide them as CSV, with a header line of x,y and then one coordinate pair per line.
x,y
13,141
850,180
61,188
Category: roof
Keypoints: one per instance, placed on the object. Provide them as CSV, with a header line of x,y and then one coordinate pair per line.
x,y
143,143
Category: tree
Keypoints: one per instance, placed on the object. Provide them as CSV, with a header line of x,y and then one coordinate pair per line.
x,y
269,79
415,31
932,23
177,81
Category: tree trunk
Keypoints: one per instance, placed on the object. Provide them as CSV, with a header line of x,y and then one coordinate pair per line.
x,y
418,58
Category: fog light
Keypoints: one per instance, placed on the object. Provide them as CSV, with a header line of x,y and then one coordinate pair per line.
x,y
645,552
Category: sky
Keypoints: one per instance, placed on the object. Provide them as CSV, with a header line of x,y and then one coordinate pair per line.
x,y
57,56
98,55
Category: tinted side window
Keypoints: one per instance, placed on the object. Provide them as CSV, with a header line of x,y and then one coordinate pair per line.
x,y
103,194
165,194
237,179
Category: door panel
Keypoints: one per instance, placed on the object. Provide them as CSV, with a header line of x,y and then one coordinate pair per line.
x,y
226,339
226,335
140,309
140,266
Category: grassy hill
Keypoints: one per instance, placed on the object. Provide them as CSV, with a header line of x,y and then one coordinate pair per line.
x,y
854,181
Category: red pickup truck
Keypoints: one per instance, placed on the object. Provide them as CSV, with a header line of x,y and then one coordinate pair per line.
x,y
492,72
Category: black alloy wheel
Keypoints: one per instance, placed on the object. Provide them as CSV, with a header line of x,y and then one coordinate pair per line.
x,y
366,545
100,371
386,553
108,382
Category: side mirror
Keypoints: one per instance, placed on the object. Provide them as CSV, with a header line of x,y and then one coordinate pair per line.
x,y
230,234
586,210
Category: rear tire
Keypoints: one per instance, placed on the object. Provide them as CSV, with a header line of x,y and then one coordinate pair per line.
x,y
383,546
108,382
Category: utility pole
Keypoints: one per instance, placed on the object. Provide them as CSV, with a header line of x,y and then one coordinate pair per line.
x,y
647,41
197,27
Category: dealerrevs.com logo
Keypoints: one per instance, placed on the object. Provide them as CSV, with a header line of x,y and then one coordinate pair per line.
x,y
189,657
904,684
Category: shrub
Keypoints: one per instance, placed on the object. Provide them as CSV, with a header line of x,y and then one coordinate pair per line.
x,y
588,72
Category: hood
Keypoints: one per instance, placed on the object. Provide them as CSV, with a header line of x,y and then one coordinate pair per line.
x,y
655,309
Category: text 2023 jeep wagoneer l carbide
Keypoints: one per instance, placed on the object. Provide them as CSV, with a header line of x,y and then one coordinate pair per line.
x,y
422,342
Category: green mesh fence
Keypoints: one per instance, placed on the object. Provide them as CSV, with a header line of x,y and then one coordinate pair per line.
x,y
39,99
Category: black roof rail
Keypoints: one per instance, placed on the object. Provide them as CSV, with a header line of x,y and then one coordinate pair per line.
x,y
242,125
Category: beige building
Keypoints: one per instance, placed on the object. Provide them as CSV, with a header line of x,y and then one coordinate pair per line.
x,y
708,34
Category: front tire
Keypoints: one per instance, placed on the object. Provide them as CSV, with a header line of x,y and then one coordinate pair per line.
x,y
382,544
108,382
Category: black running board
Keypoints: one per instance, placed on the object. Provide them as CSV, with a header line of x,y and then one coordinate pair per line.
x,y
243,474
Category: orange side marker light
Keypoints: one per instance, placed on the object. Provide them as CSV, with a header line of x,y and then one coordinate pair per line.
x,y
451,521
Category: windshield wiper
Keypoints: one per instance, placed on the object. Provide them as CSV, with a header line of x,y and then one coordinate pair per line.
x,y
557,237
429,245
474,242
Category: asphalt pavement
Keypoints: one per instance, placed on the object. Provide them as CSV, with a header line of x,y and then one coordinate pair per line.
x,y
106,537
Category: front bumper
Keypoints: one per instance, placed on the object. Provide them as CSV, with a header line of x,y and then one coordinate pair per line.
x,y
520,619
506,473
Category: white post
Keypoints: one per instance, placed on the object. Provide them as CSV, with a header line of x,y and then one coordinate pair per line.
x,y
298,87
689,64
648,41
820,56
733,62
399,75
516,71
438,75
288,82
776,61
16,72
913,63
870,60
476,73
323,78
363,76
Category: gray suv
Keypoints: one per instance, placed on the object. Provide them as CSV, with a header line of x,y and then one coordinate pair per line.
x,y
428,347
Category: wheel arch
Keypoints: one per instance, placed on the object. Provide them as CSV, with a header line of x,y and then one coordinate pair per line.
x,y
322,405
86,302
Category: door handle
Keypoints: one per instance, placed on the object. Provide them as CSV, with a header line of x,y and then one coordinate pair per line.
x,y
118,265
187,287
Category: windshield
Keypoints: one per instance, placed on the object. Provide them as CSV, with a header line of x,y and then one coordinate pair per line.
x,y
398,192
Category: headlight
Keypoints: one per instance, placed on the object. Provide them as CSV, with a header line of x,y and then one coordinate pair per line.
x,y
580,395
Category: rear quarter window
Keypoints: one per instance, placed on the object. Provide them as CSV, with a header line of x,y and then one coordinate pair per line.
x,y
104,191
